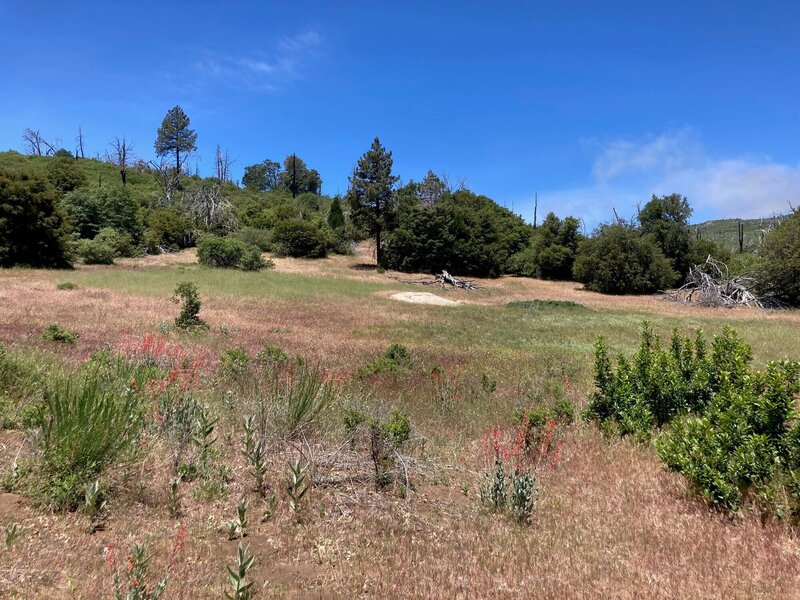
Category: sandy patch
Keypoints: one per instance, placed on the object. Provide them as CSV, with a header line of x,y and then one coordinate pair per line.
x,y
423,298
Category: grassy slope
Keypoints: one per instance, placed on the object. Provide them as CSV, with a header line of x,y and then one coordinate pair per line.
x,y
725,232
610,521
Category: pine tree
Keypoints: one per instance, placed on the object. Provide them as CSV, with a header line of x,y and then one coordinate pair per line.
x,y
336,215
175,137
371,194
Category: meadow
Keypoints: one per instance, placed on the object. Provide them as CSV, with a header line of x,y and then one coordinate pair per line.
x,y
608,521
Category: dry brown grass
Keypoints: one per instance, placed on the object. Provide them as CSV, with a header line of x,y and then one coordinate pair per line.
x,y
610,522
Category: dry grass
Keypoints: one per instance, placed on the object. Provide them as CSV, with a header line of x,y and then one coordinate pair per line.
x,y
610,522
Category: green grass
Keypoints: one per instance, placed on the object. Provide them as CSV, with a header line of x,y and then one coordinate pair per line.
x,y
226,282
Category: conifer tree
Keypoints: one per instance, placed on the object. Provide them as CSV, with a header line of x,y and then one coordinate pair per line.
x,y
175,137
371,194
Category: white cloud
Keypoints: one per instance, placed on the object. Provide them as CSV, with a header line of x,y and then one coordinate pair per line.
x,y
287,63
628,171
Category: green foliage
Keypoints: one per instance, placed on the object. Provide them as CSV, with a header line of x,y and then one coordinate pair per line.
x,y
65,174
565,305
253,261
780,261
31,225
136,585
743,445
67,285
85,427
304,396
167,229
552,251
396,358
56,333
297,178
234,362
336,215
242,589
272,355
386,438
261,177
175,137
105,247
463,233
220,252
90,210
253,236
617,260
298,485
300,239
186,293
371,195
666,219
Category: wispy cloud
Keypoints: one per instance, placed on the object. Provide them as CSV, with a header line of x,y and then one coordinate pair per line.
x,y
628,171
288,62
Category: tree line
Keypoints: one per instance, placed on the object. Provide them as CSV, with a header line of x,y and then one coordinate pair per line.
x,y
56,209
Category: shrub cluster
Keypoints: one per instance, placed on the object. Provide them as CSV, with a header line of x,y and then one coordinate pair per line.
x,y
231,253
732,431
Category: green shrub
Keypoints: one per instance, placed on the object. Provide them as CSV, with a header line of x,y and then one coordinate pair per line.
x,y
234,362
780,262
386,438
96,252
167,230
56,333
67,285
220,252
188,318
84,429
618,260
743,446
552,251
252,261
65,174
253,236
300,239
396,358
272,354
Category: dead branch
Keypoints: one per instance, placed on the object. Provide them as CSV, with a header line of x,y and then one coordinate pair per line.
x,y
710,284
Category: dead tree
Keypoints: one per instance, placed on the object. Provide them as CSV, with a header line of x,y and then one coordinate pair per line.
x,y
35,143
222,164
209,208
710,284
122,156
79,148
168,179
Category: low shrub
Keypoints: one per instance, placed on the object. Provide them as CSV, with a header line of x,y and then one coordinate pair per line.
x,y
67,285
234,362
272,354
547,305
396,358
188,318
220,252
300,239
85,428
253,261
56,333
253,236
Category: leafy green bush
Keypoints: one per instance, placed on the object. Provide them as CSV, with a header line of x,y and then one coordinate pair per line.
x,y
396,358
85,428
253,236
780,261
91,210
234,362
551,254
618,260
386,438
56,333
272,354
32,231
220,252
66,285
743,446
107,245
65,174
188,318
166,229
300,239
253,261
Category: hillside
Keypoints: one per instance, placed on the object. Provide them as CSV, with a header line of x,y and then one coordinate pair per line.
x,y
725,232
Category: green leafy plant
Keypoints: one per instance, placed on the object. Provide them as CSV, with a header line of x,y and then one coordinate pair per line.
x,y
242,589
298,486
272,355
234,362
94,505
386,438
85,427
56,333
186,294
134,583
174,497
66,285
396,358
238,526
204,437
12,534
254,451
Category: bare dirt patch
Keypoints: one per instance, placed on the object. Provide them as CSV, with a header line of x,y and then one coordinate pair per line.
x,y
423,298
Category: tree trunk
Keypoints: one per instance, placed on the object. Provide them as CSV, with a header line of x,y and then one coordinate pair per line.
x,y
378,249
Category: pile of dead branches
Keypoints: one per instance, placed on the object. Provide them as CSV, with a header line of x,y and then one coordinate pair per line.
x,y
710,284
443,280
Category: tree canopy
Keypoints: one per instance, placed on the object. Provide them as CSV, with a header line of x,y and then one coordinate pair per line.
x,y
175,138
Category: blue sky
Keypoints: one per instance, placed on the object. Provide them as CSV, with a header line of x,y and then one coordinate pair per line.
x,y
592,105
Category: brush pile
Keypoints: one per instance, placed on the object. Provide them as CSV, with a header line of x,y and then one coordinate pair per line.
x,y
710,284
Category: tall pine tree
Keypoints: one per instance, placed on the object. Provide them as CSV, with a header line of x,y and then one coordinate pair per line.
x,y
175,137
371,194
